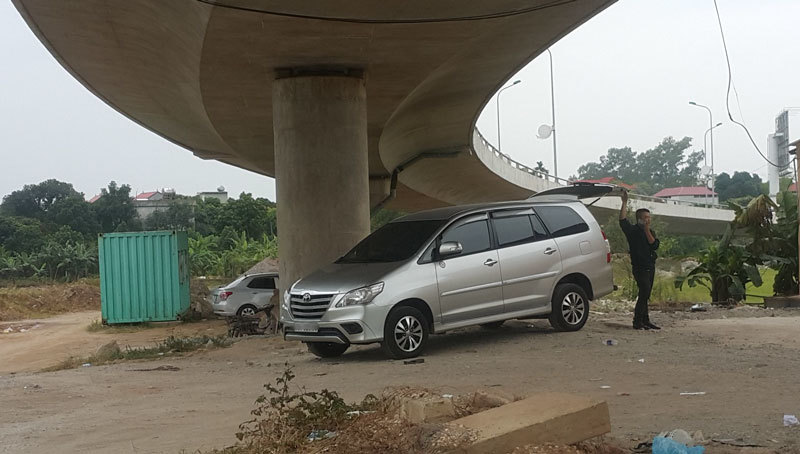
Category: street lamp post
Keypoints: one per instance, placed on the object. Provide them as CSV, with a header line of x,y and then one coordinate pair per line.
x,y
553,114
705,136
498,109
711,129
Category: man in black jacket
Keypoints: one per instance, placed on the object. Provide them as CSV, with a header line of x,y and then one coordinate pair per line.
x,y
643,245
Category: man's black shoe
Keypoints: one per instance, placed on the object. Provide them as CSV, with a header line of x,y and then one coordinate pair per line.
x,y
651,326
640,326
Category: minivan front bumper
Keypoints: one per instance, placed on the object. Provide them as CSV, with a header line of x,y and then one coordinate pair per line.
x,y
347,325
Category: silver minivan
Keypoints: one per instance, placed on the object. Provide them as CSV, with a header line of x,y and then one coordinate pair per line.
x,y
437,270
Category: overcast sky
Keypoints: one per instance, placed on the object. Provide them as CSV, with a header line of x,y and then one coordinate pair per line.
x,y
623,79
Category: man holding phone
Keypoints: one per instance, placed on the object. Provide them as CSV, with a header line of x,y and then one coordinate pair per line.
x,y
643,244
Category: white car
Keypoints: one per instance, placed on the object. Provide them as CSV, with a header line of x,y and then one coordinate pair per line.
x,y
245,295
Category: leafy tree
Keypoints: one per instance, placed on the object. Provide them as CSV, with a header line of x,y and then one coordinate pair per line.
x,y
34,200
665,165
251,215
204,255
742,185
209,216
179,215
18,234
75,213
115,210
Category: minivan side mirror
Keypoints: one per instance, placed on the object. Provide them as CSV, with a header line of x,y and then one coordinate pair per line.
x,y
449,249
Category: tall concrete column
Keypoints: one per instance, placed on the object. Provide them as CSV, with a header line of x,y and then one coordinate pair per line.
x,y
321,170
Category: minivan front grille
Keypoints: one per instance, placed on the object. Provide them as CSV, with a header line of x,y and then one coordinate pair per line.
x,y
305,306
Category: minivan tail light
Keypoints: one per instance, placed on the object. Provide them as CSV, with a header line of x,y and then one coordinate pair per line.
x,y
224,295
608,247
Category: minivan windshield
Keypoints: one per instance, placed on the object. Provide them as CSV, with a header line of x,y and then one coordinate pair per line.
x,y
393,242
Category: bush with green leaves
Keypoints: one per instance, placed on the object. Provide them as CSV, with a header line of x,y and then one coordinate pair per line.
x,y
725,268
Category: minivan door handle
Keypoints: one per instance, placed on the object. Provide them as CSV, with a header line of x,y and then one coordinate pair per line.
x,y
490,262
550,251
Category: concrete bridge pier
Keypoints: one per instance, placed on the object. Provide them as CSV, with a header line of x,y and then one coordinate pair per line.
x,y
321,169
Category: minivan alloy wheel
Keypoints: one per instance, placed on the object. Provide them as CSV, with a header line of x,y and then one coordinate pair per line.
x,y
573,308
408,333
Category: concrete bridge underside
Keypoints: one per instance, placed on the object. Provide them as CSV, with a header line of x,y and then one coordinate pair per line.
x,y
333,99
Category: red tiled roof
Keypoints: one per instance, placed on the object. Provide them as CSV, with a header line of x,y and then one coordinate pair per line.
x,y
607,180
792,187
95,198
146,195
684,190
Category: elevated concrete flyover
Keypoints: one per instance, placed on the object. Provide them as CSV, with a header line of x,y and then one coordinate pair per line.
x,y
679,217
344,103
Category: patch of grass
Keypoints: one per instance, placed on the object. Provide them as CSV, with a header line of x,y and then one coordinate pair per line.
x,y
171,346
97,326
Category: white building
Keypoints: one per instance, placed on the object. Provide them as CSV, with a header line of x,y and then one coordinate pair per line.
x,y
220,195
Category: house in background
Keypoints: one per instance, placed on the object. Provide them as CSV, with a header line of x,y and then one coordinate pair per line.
x,y
220,195
147,203
149,196
696,194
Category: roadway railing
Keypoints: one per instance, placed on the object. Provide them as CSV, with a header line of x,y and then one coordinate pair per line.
x,y
566,182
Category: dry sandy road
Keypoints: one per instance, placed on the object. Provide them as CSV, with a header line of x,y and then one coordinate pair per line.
x,y
32,345
748,368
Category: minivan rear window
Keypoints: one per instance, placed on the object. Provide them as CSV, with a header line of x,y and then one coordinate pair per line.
x,y
393,242
561,220
513,230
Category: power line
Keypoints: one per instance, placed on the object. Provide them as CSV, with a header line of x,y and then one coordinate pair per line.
x,y
499,15
728,92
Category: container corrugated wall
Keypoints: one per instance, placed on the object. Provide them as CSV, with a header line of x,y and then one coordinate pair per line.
x,y
144,276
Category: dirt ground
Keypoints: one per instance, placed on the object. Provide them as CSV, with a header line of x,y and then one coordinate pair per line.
x,y
746,361
32,345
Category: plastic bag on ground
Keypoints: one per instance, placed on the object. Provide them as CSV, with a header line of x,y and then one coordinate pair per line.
x,y
662,445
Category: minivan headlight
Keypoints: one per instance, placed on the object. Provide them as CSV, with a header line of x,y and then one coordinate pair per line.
x,y
363,295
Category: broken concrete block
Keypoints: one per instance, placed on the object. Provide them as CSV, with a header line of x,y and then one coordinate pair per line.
x,y
486,399
427,409
541,418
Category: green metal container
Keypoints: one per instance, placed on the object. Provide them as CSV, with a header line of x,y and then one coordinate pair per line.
x,y
144,276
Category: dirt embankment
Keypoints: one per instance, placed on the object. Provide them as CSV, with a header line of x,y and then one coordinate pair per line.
x,y
19,303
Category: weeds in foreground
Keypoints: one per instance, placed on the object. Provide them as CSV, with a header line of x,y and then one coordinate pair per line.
x,y
171,346
284,419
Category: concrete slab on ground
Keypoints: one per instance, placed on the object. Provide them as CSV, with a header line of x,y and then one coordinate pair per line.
x,y
541,418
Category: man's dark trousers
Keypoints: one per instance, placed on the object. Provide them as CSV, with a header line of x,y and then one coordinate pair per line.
x,y
644,280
